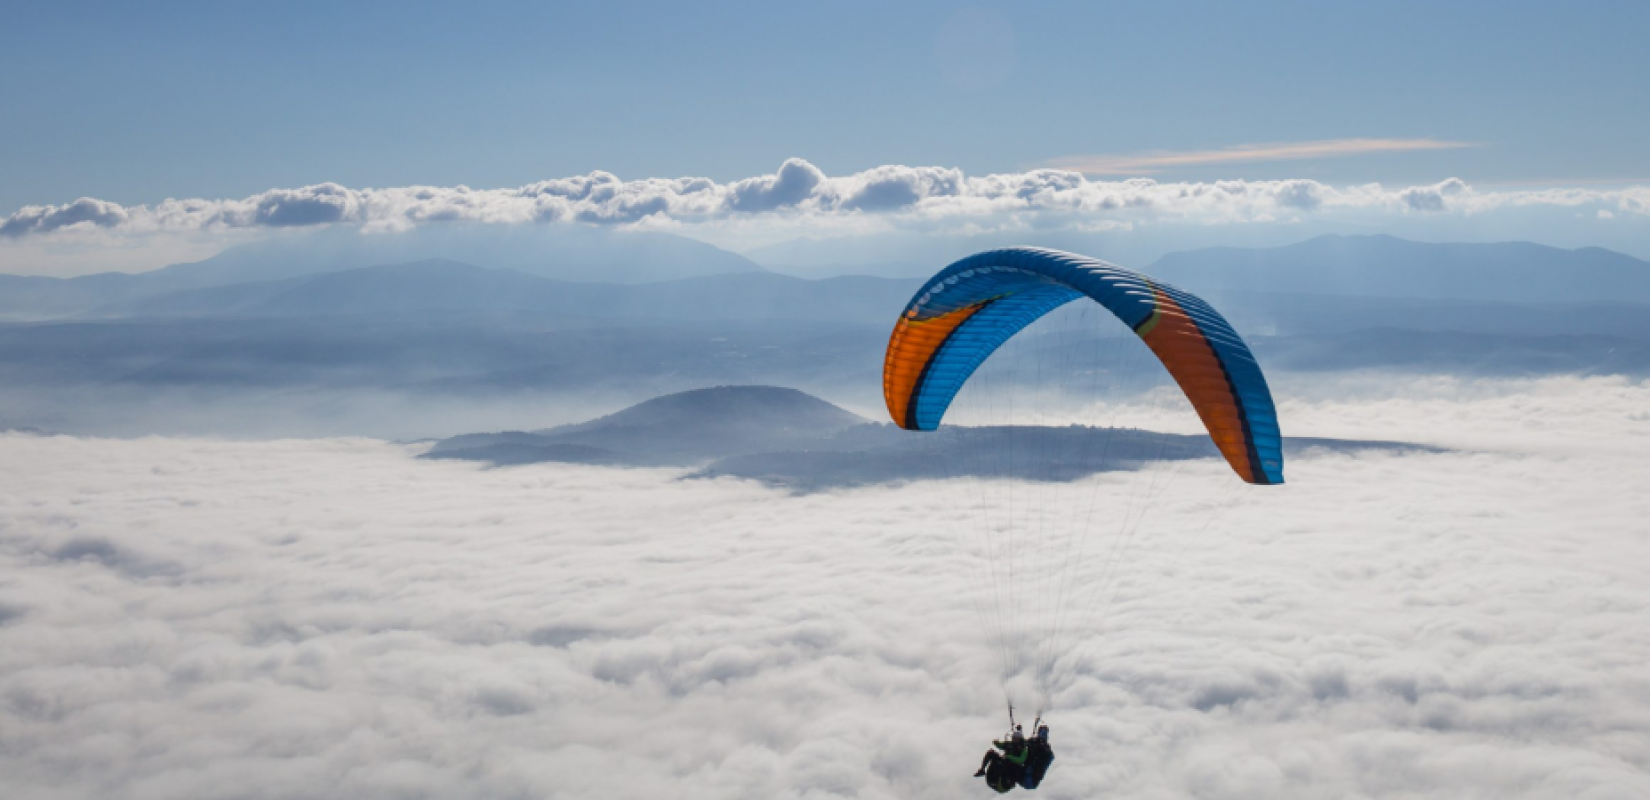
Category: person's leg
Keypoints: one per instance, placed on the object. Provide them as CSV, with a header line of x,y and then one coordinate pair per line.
x,y
989,759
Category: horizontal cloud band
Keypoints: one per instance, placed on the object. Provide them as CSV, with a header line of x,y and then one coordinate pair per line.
x,y
799,190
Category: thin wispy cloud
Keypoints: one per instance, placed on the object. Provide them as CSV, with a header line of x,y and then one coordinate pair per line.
x,y
1158,161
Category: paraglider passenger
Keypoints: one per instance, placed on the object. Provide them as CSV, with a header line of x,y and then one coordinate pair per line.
x,y
1003,770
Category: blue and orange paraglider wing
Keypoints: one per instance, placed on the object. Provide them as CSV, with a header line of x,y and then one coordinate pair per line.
x,y
964,313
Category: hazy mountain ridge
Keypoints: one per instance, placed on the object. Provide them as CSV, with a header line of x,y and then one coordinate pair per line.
x,y
450,335
1288,314
1357,269
1386,266
564,252
568,253
438,285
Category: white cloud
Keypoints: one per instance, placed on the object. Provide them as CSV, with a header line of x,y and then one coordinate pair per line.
x,y
794,182
192,618
800,193
1433,198
85,212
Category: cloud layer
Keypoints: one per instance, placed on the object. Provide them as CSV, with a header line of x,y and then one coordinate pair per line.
x,y
799,191
201,619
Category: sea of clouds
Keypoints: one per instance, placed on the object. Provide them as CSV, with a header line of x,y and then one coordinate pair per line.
x,y
191,618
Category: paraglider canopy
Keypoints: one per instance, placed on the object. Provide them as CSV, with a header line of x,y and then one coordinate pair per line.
x,y
969,309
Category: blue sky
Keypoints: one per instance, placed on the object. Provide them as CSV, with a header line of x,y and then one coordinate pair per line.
x,y
137,102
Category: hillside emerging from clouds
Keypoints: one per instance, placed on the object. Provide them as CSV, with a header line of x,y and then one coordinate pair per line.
x,y
782,437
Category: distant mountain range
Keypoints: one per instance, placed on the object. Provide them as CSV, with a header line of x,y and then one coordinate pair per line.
x,y
784,437
1331,284
320,347
482,268
564,253
1388,267
441,286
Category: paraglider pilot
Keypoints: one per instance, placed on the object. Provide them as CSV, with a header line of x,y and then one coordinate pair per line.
x,y
1016,761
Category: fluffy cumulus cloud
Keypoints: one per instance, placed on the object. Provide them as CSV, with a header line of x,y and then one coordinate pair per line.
x,y
201,619
799,191
794,183
85,212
